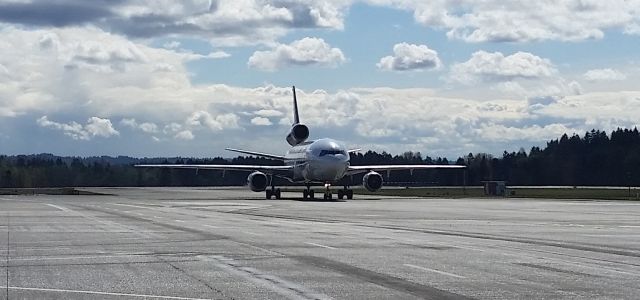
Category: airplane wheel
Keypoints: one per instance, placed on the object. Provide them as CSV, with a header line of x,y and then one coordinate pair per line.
x,y
350,194
341,194
327,196
311,194
277,194
268,193
305,194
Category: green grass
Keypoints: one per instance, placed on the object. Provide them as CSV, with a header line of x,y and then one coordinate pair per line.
x,y
549,193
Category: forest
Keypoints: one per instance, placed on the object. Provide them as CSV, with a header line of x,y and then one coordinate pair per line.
x,y
594,159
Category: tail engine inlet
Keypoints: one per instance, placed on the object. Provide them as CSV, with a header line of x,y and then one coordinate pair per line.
x,y
299,133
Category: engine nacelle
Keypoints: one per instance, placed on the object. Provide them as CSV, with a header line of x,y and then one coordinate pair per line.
x,y
299,133
372,181
257,181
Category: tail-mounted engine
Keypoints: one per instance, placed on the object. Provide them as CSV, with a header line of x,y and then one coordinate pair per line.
x,y
257,181
298,134
372,181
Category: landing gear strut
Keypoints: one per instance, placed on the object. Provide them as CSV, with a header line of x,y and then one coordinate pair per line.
x,y
346,192
327,192
307,193
275,192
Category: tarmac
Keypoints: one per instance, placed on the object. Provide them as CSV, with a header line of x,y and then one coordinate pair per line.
x,y
229,243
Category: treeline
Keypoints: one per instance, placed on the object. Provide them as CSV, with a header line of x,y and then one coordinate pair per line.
x,y
593,159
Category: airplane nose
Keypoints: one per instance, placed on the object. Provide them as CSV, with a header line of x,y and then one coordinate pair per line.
x,y
329,170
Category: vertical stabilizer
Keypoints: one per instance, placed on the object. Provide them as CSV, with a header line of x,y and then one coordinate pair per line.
x,y
296,118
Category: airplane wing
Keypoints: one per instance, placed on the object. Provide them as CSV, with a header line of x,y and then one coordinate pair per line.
x,y
249,168
381,168
260,154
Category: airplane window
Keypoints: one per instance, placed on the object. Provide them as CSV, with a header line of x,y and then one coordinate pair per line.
x,y
332,152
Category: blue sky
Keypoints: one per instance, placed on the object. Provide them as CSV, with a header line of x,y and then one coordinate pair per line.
x,y
444,77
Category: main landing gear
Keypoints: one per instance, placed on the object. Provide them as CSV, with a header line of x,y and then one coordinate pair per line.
x,y
308,193
346,192
275,192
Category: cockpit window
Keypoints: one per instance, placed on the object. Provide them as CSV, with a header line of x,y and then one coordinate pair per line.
x,y
332,152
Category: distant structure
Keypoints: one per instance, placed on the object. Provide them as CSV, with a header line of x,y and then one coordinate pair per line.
x,y
495,188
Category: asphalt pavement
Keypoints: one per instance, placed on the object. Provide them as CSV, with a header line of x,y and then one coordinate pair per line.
x,y
229,243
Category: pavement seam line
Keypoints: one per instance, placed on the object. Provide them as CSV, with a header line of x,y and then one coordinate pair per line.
x,y
101,293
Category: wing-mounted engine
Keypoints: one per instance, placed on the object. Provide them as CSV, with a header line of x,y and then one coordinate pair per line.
x,y
372,181
257,181
298,134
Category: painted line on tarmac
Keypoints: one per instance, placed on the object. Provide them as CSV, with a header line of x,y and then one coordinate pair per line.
x,y
434,270
98,293
59,207
320,245
285,288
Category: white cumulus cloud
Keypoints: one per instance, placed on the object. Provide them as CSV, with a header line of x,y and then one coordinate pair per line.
x,y
184,135
604,75
410,57
524,21
217,123
260,121
304,52
147,127
95,127
486,66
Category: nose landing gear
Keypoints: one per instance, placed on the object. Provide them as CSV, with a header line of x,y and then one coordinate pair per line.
x,y
327,192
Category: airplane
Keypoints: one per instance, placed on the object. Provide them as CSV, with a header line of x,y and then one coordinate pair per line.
x,y
324,161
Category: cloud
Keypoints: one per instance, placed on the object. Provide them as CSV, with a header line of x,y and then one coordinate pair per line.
x,y
95,127
268,113
171,45
147,127
410,57
604,75
250,22
190,56
524,21
223,22
217,123
36,83
184,135
100,127
260,121
304,52
485,66
54,13
104,57
172,128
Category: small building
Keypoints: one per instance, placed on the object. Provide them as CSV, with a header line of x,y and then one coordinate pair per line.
x,y
495,188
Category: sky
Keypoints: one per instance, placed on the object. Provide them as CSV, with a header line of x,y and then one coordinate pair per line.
x,y
188,78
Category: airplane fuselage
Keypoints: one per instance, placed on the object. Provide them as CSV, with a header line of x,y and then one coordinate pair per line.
x,y
323,160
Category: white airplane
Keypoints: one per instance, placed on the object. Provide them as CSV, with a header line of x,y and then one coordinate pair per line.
x,y
324,161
